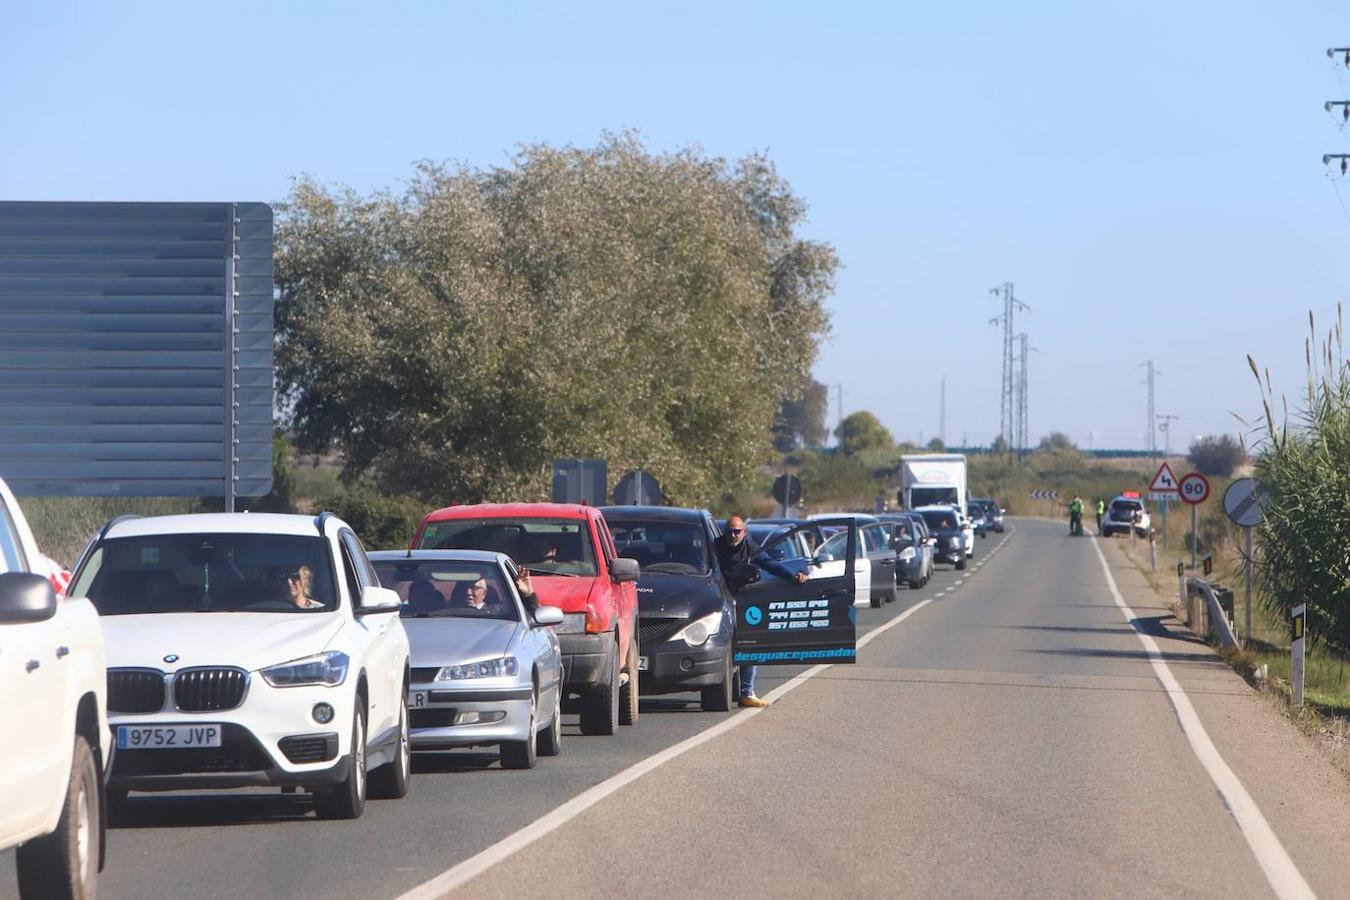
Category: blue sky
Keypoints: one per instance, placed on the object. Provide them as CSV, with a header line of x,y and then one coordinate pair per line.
x,y
1147,174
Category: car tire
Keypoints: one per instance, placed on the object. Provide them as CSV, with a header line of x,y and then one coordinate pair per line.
x,y
891,594
915,583
719,697
600,703
960,564
523,754
549,742
630,689
877,600
64,863
390,781
347,800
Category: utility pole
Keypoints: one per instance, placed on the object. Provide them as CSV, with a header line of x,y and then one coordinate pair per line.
x,y
1152,416
1166,429
838,411
1007,400
1023,429
942,413
1344,106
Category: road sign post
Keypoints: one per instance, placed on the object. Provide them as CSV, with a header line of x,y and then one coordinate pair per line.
x,y
787,490
1163,490
1193,489
1245,503
1298,633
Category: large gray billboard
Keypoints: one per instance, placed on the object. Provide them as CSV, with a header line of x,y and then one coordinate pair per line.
x,y
136,349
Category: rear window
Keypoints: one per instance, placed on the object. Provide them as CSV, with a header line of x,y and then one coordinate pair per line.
x,y
937,518
544,546
1126,506
175,573
671,548
448,589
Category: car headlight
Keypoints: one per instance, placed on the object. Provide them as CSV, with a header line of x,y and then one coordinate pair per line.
x,y
572,623
328,669
697,632
907,554
489,668
953,542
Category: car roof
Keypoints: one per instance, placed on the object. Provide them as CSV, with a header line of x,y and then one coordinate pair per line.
x,y
653,513
219,523
512,511
449,555
862,518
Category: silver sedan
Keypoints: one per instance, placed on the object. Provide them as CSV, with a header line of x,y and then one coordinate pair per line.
x,y
486,670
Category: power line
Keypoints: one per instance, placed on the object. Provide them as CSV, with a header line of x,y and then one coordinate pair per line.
x,y
1152,437
1007,401
942,413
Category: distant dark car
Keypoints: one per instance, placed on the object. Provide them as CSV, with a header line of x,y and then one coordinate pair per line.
x,y
993,513
944,525
685,613
914,554
979,519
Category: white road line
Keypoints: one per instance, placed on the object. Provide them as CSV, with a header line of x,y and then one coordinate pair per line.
x,y
458,875
1284,877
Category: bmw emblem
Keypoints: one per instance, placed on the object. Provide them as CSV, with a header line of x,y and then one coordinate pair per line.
x,y
171,658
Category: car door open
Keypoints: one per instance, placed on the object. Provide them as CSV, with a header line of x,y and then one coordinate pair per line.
x,y
783,622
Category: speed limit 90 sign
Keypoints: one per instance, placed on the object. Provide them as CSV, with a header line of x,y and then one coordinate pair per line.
x,y
1194,488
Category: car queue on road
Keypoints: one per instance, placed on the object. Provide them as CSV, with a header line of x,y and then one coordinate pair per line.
x,y
255,650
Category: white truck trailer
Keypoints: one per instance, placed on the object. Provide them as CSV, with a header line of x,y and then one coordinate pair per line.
x,y
930,478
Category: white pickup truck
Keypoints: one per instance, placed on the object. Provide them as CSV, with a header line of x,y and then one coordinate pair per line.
x,y
53,722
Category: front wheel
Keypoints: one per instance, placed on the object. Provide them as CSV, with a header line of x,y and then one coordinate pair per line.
x,y
348,799
719,697
64,863
390,781
523,754
960,564
550,739
600,703
628,690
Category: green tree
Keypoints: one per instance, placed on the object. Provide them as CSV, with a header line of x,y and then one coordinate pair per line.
x,y
1056,440
800,421
832,480
1216,455
1306,469
936,446
862,432
453,339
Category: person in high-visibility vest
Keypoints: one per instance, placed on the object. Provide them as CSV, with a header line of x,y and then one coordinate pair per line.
x,y
1076,515
1101,511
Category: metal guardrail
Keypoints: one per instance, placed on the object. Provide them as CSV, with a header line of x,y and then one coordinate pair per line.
x,y
1209,610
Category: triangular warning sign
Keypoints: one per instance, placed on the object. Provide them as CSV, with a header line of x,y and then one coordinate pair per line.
x,y
1164,481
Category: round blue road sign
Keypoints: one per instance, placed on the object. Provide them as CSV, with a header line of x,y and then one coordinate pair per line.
x,y
753,616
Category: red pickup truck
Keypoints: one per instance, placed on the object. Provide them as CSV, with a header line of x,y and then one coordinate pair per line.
x,y
574,566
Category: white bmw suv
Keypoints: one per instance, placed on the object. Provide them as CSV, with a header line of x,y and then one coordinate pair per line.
x,y
250,649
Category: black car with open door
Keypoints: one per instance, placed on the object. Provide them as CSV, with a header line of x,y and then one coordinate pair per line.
x,y
685,613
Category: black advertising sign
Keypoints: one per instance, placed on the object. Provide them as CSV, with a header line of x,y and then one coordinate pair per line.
x,y
780,621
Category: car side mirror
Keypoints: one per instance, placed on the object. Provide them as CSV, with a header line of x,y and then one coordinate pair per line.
x,y
548,615
25,597
623,569
376,600
822,558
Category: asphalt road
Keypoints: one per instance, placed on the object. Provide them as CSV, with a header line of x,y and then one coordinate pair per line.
x,y
1009,737
264,844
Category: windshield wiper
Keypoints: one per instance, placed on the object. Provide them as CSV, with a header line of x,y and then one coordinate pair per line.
x,y
534,571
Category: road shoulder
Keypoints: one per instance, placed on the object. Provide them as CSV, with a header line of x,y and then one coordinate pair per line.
x,y
1303,796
